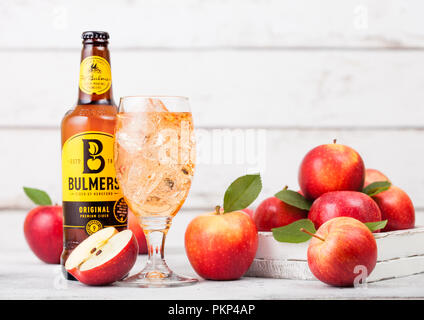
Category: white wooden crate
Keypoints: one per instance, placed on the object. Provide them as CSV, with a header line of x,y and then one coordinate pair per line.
x,y
400,253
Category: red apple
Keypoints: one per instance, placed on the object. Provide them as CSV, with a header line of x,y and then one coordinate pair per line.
x,y
249,211
104,257
221,246
331,167
338,248
43,230
352,204
135,227
373,175
274,213
396,206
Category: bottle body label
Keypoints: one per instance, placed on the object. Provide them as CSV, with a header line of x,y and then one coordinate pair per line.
x,y
95,75
92,199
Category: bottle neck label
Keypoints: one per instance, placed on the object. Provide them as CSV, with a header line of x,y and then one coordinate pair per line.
x,y
95,75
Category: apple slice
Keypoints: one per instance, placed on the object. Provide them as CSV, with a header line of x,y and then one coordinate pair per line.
x,y
84,250
104,257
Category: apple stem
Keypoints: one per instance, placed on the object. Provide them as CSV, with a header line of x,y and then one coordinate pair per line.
x,y
218,210
311,234
334,141
286,187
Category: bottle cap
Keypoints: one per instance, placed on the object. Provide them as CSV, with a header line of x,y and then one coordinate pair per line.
x,y
103,35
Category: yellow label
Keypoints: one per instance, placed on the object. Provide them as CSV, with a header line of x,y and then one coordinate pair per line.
x,y
95,75
87,168
92,198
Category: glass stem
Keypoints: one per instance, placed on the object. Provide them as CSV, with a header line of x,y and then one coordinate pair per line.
x,y
155,230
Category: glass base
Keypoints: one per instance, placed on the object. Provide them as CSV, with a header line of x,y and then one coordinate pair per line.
x,y
155,280
156,273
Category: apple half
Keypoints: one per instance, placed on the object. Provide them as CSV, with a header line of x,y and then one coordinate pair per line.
x,y
104,257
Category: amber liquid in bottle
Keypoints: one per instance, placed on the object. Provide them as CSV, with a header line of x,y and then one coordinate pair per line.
x,y
91,197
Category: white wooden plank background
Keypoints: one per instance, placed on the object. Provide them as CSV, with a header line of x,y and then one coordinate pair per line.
x,y
281,88
215,23
305,72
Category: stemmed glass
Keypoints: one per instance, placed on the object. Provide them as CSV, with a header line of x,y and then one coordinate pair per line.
x,y
154,158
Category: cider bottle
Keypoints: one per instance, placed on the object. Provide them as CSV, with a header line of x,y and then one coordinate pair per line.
x,y
91,196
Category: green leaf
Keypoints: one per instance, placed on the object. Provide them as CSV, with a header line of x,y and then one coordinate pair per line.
x,y
373,226
294,199
291,233
376,187
38,196
242,192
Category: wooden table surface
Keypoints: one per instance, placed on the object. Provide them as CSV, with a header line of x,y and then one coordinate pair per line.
x,y
23,276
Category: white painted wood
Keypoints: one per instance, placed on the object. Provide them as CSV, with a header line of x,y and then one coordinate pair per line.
x,y
391,245
271,249
397,268
280,269
235,23
32,158
400,244
280,89
19,268
299,270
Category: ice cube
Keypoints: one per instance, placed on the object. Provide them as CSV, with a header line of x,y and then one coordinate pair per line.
x,y
141,180
155,105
